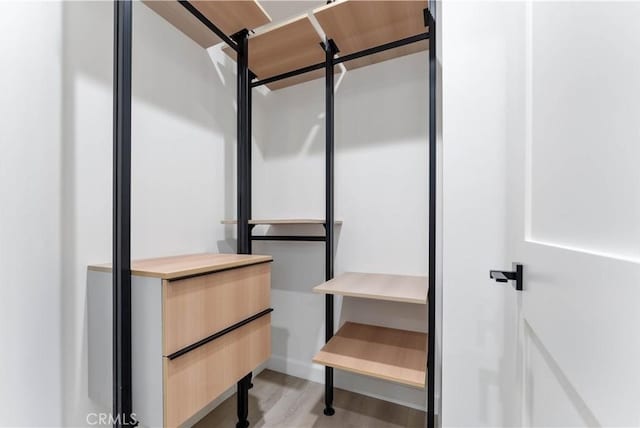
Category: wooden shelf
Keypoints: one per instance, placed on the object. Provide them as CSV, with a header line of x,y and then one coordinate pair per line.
x,y
184,21
394,288
180,266
231,16
416,47
290,221
357,25
286,47
385,353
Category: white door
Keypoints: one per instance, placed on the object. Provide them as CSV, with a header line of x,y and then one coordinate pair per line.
x,y
541,165
574,205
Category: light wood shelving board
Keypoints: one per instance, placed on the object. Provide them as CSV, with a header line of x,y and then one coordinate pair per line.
x,y
394,288
180,266
416,47
385,353
295,80
291,221
357,25
231,16
184,21
292,45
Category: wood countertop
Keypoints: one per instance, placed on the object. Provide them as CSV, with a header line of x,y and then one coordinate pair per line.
x,y
186,265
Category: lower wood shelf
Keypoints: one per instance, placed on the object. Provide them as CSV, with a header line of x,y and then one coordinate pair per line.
x,y
385,353
394,288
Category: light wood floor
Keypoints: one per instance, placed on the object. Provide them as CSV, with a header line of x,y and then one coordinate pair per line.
x,y
281,401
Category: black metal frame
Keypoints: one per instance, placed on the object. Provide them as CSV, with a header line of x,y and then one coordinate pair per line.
x,y
433,186
122,373
339,60
244,144
243,188
307,238
330,52
122,385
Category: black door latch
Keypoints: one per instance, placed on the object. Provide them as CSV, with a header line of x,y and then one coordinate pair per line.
x,y
505,276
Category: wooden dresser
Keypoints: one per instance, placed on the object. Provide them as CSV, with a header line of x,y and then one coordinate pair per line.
x,y
199,324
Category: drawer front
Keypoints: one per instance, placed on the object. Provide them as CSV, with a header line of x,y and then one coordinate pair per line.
x,y
198,377
195,308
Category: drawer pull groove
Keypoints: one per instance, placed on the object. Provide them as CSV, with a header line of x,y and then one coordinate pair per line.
x,y
218,334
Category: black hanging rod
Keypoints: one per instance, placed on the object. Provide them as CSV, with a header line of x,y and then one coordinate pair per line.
x,y
210,25
218,334
287,238
381,48
288,74
345,58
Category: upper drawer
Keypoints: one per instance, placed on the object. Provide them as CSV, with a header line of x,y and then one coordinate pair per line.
x,y
197,307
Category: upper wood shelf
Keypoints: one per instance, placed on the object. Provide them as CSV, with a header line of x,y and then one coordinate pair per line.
x,y
358,25
291,45
394,288
184,21
385,353
230,16
290,221
180,266
353,25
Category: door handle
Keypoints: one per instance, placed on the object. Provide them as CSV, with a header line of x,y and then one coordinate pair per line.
x,y
505,276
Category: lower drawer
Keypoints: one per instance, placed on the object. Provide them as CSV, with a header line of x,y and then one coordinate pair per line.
x,y
193,380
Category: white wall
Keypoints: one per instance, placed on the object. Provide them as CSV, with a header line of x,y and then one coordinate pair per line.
x,y
381,194
479,40
30,189
55,170
183,128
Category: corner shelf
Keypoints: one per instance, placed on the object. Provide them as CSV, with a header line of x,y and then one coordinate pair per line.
x,y
288,46
356,25
184,21
229,16
395,355
287,221
394,288
233,16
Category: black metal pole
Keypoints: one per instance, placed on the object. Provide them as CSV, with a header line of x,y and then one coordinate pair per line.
x,y
244,142
122,385
243,401
244,189
433,168
330,51
248,172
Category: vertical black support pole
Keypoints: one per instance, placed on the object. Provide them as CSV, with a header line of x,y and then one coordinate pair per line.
x,y
244,143
249,196
122,396
244,189
242,398
433,168
330,50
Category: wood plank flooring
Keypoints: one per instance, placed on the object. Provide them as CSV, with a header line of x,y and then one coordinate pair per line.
x,y
281,401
